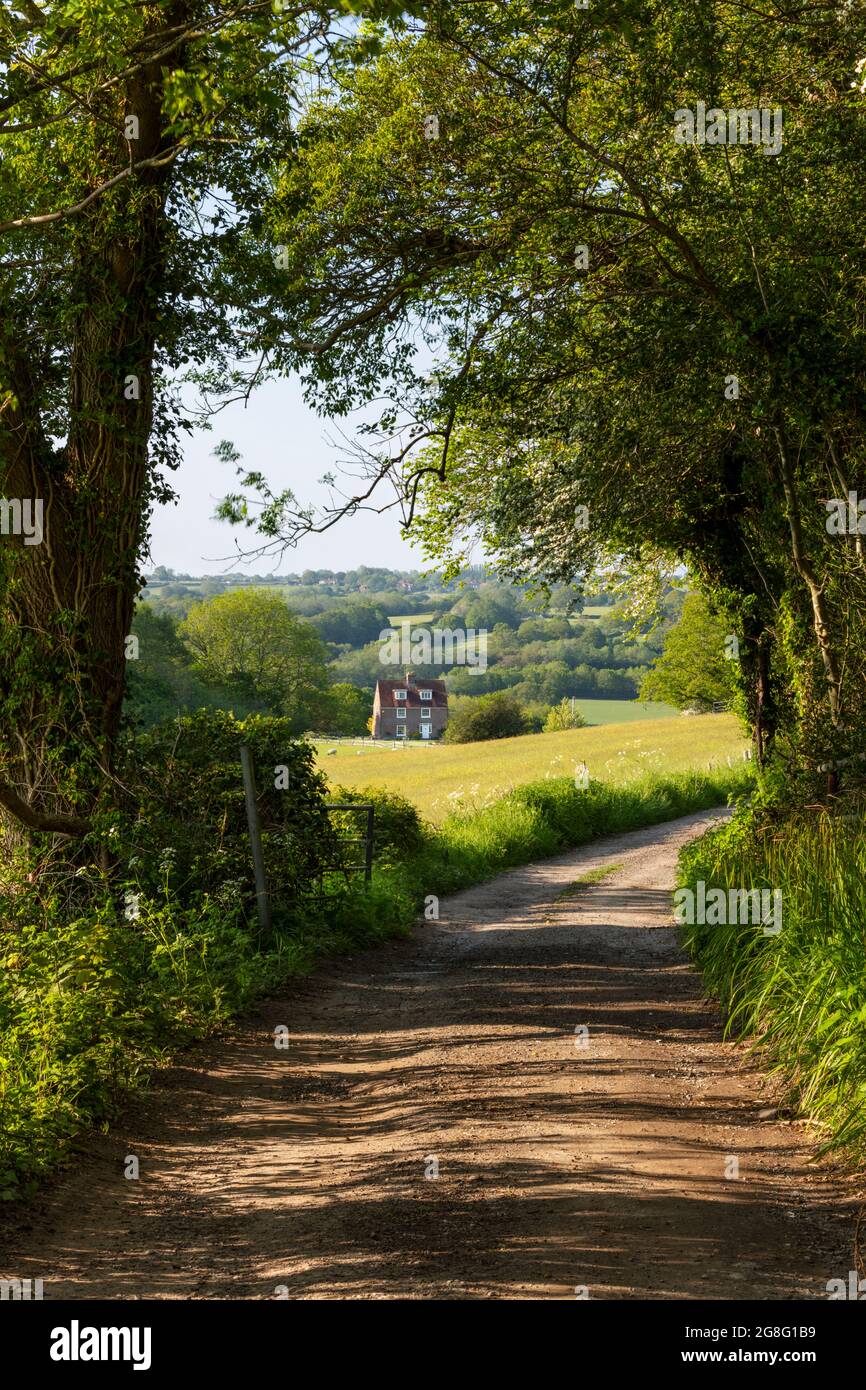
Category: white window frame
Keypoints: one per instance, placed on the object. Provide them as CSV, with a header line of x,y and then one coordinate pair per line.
x,y
426,713
399,694
401,732
401,714
425,694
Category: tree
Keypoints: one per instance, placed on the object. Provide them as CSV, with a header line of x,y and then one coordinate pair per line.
x,y
693,669
157,668
161,683
544,629
346,710
626,324
249,640
485,609
486,717
137,154
352,623
564,716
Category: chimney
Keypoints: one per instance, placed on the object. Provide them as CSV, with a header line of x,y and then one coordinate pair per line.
x,y
410,679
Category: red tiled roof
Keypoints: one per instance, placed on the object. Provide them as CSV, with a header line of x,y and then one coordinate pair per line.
x,y
385,691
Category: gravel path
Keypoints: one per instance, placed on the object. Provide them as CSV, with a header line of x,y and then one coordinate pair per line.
x,y
592,1163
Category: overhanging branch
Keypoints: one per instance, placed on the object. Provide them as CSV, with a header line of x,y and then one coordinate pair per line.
x,y
37,820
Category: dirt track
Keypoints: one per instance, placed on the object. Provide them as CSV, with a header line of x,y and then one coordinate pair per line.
x,y
562,1167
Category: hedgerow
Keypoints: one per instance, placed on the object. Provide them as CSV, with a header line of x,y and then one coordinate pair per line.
x,y
92,1000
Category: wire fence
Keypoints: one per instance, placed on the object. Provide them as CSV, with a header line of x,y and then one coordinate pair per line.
x,y
385,743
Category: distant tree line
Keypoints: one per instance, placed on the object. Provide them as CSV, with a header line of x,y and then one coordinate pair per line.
x,y
243,651
314,658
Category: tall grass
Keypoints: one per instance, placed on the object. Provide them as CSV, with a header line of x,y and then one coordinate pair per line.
x,y
801,995
533,822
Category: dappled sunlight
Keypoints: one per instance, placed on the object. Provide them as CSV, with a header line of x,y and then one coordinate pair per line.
x,y
529,1097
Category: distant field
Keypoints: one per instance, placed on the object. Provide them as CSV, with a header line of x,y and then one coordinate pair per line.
x,y
623,711
438,778
414,619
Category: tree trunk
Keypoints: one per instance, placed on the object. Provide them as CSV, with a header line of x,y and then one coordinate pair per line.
x,y
805,569
68,602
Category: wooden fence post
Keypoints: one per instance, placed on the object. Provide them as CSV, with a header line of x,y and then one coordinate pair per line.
x,y
368,847
262,900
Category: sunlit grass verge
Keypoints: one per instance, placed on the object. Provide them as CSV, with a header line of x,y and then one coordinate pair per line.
x,y
801,995
91,1004
532,822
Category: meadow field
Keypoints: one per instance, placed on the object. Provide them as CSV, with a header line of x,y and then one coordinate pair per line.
x,y
623,711
411,619
440,778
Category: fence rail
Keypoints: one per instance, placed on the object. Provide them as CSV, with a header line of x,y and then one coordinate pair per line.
x,y
339,741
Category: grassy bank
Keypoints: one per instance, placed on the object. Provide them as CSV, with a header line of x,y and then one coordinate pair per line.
x,y
801,994
90,1007
442,778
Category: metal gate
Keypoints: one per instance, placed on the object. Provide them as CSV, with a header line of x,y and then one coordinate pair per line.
x,y
262,895
366,839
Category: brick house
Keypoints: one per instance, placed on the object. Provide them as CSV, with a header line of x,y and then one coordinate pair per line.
x,y
410,708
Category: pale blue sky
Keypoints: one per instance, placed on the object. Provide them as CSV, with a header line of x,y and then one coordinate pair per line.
x,y
281,436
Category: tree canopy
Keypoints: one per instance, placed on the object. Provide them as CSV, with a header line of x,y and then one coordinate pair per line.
x,y
250,640
643,349
139,145
488,716
696,667
598,343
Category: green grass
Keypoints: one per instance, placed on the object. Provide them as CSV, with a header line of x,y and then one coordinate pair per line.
x,y
541,819
624,711
801,995
587,880
441,778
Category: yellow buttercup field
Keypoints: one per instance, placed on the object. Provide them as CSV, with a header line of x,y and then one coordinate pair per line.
x,y
439,778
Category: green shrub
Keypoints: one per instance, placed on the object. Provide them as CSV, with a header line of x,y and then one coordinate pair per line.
x,y
89,1005
565,715
189,835
397,827
474,719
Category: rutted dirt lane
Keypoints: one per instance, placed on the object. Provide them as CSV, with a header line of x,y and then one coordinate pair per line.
x,y
593,1160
